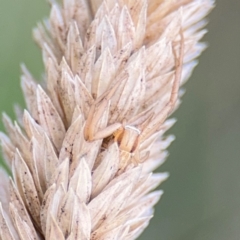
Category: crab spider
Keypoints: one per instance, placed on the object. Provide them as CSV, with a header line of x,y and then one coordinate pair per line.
x,y
129,136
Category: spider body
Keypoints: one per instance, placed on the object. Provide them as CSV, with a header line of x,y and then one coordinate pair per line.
x,y
127,138
130,136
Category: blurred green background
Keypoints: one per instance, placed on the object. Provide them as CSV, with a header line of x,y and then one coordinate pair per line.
x,y
202,195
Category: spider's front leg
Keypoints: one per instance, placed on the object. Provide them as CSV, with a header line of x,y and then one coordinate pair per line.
x,y
159,118
128,139
91,131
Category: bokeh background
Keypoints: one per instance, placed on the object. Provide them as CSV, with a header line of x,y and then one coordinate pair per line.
x,y
202,195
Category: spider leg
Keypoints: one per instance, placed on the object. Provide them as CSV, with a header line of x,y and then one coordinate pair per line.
x,y
94,116
95,113
178,73
166,111
106,132
109,94
136,159
145,157
125,158
89,129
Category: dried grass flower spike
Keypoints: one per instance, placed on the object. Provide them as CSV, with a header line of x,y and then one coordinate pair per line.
x,y
83,153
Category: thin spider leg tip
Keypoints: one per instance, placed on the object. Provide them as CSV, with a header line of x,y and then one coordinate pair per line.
x,y
178,71
88,129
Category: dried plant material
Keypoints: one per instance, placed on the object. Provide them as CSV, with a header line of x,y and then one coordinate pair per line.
x,y
83,154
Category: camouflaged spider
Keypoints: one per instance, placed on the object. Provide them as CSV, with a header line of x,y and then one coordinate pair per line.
x,y
127,136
